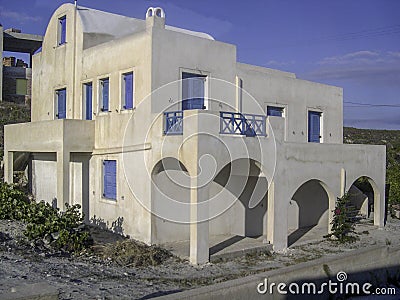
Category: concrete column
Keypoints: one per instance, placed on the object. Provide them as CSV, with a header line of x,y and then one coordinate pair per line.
x,y
63,160
277,227
342,182
379,205
8,166
199,225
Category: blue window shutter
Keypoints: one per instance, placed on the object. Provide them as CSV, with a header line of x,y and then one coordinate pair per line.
x,y
88,95
275,111
105,94
128,78
63,30
61,104
192,91
314,126
110,179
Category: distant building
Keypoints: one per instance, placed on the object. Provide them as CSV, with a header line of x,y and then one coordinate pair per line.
x,y
16,75
17,81
128,115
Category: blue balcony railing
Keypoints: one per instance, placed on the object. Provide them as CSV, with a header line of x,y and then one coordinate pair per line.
x,y
173,122
242,124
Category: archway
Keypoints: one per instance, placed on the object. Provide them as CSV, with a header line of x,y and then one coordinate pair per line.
x,y
170,201
308,212
361,194
240,189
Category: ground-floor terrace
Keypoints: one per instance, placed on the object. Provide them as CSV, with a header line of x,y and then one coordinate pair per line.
x,y
206,192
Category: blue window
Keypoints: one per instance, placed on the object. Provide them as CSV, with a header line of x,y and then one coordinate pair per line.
x,y
110,179
88,92
128,90
275,111
314,127
193,90
62,30
61,99
104,94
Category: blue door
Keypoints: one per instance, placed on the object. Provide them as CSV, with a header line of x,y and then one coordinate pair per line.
x,y
314,127
61,104
193,86
88,97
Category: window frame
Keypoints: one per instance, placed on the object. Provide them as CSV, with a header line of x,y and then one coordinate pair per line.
x,y
105,195
100,97
19,79
280,107
206,86
321,124
123,90
84,108
55,112
62,30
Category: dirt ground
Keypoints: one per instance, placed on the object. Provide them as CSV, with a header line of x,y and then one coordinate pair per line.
x,y
92,277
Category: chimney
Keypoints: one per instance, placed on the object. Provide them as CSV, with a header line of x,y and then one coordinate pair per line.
x,y
155,17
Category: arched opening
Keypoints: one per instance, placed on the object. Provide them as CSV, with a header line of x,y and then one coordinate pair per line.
x,y
361,194
159,12
239,192
170,201
149,12
308,212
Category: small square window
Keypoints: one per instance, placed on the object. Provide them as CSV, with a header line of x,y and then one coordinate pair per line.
x,y
104,94
110,179
275,111
62,30
21,86
128,83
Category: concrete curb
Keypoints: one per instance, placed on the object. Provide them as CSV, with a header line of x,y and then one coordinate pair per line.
x,y
371,265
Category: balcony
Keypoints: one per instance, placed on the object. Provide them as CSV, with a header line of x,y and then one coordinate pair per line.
x,y
173,122
242,124
249,125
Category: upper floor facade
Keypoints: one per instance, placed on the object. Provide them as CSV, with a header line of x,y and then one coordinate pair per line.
x,y
104,67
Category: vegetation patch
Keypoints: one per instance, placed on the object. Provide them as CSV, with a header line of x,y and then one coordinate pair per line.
x,y
46,226
130,253
343,223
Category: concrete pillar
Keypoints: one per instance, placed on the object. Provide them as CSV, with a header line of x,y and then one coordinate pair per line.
x,y
8,166
199,224
277,227
379,204
63,159
342,182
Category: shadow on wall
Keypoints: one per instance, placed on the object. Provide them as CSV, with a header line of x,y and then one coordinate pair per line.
x,y
308,212
116,226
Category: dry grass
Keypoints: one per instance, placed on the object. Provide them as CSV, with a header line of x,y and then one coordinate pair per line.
x,y
130,253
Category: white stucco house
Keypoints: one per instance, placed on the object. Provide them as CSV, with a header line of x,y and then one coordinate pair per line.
x,y
161,130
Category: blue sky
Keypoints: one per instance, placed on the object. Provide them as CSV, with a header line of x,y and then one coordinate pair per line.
x,y
354,44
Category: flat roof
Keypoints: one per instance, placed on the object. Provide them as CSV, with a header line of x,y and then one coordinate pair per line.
x,y
21,42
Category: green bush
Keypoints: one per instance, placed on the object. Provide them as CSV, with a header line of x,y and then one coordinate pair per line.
x,y
342,224
60,230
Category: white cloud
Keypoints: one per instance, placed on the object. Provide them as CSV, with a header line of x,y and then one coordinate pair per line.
x,y
371,67
17,16
280,63
353,57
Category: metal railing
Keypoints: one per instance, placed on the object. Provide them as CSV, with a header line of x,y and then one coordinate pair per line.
x,y
173,122
242,124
